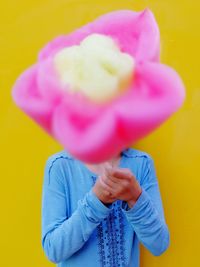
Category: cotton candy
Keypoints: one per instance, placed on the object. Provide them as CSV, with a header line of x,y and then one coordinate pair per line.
x,y
95,115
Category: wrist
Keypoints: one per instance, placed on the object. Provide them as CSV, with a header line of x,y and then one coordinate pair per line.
x,y
131,202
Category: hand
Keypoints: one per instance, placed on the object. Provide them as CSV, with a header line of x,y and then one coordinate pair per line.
x,y
121,184
101,191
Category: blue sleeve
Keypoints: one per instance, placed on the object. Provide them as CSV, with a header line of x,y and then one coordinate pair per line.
x,y
63,236
147,215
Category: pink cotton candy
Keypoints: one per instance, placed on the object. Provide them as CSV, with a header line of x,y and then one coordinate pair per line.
x,y
91,132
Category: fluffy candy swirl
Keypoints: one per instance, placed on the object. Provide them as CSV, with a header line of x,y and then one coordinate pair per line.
x,y
79,91
96,67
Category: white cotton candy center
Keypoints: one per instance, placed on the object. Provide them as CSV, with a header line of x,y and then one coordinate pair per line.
x,y
97,68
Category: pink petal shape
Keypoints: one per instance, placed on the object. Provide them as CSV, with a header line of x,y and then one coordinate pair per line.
x,y
90,134
157,93
136,33
48,82
27,97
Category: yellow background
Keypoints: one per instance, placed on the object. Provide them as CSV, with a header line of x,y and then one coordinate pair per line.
x,y
25,26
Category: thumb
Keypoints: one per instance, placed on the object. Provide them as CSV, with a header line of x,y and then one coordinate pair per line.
x,y
108,169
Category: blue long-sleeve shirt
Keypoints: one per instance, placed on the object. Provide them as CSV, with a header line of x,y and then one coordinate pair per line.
x,y
79,230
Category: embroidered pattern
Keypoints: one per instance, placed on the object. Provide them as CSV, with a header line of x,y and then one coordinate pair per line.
x,y
111,242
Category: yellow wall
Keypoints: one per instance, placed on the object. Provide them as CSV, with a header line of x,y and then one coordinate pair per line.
x,y
25,26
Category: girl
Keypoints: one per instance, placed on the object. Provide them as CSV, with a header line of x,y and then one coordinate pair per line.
x,y
96,215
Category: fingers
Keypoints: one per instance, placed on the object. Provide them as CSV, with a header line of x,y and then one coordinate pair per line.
x,y
104,184
109,181
109,176
121,173
108,192
116,182
110,186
